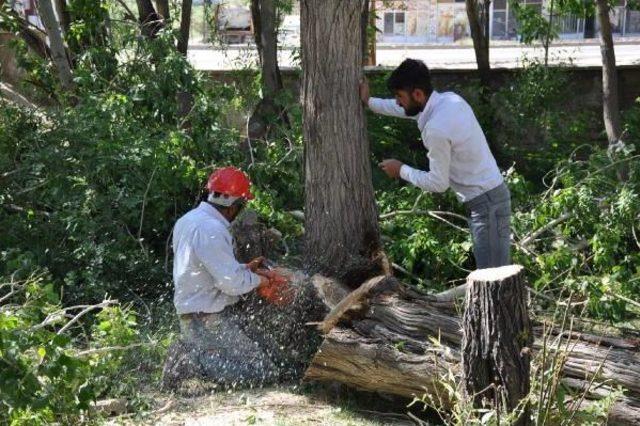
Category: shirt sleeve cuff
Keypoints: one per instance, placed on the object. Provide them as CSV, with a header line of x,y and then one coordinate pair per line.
x,y
405,172
255,280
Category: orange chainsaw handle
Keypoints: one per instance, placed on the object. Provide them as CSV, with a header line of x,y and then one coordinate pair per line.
x,y
275,288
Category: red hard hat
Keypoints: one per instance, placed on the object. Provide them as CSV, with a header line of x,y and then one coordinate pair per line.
x,y
230,181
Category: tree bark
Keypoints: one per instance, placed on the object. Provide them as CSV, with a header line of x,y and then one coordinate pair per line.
x,y
63,14
184,98
265,33
256,25
395,340
35,38
271,79
185,25
497,338
56,44
163,9
341,220
478,15
10,93
368,24
610,106
149,19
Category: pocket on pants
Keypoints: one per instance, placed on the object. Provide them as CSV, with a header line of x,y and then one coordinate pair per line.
x,y
504,224
480,214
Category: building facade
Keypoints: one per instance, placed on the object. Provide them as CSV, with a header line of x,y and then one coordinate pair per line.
x,y
445,21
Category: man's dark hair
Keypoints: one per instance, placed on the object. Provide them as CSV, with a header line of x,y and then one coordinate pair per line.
x,y
411,74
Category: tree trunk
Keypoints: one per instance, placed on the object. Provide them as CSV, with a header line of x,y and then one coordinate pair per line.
x,y
10,93
163,9
369,33
265,33
389,338
478,15
185,99
341,219
547,40
256,25
63,14
35,38
497,339
271,79
149,19
185,25
371,57
611,111
58,50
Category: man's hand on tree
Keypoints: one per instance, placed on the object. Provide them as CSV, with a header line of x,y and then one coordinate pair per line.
x,y
391,167
256,263
364,92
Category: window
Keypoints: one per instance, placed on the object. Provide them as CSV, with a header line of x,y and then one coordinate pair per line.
x,y
394,24
571,24
500,4
499,19
616,15
632,23
504,24
499,23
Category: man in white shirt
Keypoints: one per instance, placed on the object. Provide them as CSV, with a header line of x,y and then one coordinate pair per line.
x,y
459,157
208,279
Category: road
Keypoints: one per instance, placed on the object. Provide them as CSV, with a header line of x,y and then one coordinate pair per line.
x,y
206,58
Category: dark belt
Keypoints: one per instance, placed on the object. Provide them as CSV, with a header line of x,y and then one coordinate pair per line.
x,y
495,195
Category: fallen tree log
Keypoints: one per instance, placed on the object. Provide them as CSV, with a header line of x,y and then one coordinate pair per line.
x,y
387,338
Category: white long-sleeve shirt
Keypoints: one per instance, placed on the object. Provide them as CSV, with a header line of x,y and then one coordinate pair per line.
x,y
206,274
459,156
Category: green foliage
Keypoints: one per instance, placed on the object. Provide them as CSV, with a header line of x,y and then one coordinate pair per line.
x,y
95,188
90,194
591,247
538,120
532,25
44,377
427,245
538,26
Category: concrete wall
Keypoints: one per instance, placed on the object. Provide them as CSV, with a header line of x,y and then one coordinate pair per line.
x,y
587,81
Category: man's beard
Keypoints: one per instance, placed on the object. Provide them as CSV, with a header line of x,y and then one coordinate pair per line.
x,y
413,109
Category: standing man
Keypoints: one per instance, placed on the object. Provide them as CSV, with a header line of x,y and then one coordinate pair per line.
x,y
459,157
208,280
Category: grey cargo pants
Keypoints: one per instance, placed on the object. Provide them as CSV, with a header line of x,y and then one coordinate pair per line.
x,y
225,354
489,222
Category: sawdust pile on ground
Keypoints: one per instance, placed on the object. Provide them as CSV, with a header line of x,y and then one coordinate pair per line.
x,y
272,406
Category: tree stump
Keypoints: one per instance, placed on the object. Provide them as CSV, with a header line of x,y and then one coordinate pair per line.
x,y
398,341
497,338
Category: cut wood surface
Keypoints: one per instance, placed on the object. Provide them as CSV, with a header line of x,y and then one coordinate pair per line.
x,y
403,343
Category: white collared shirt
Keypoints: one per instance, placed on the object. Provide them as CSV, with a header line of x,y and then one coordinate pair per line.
x,y
206,274
459,156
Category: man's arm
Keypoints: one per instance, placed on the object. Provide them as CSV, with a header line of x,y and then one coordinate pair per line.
x,y
387,107
216,254
381,106
437,178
